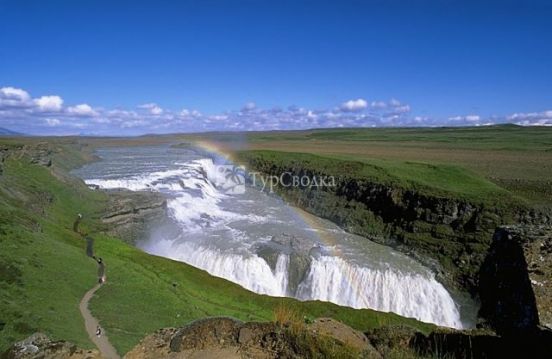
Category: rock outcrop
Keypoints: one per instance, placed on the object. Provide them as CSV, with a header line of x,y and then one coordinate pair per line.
x,y
516,279
40,346
38,153
231,338
405,342
449,234
299,252
131,215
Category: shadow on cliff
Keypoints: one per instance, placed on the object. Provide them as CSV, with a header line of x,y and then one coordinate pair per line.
x,y
508,303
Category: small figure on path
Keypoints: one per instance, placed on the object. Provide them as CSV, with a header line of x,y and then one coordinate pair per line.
x,y
101,270
98,331
76,223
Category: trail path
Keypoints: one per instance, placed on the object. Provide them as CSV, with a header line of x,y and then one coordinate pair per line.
x,y
91,324
106,349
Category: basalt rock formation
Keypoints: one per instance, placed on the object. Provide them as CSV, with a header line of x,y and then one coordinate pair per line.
x,y
131,215
451,235
516,279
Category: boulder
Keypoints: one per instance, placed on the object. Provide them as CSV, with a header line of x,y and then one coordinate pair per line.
x,y
40,346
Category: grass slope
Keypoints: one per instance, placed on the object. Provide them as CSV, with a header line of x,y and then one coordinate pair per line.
x,y
44,271
517,159
435,179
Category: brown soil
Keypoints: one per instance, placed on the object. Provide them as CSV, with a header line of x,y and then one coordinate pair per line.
x,y
102,343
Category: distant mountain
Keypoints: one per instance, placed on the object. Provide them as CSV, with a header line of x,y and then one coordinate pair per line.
x,y
6,132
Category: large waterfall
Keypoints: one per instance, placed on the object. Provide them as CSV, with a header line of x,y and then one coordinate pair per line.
x,y
239,237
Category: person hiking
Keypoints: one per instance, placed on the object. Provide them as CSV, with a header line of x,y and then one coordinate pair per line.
x,y
101,270
98,331
76,223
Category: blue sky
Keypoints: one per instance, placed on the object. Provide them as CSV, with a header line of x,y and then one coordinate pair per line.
x,y
130,67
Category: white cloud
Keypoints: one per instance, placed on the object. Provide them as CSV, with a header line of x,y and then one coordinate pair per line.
x,y
402,109
13,97
185,113
543,118
250,106
394,102
49,103
47,115
467,118
82,110
53,122
152,108
378,105
354,105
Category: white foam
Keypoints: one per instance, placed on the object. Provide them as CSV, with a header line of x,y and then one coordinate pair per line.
x,y
250,271
409,294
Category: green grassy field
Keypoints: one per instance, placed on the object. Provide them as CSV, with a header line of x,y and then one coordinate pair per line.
x,y
440,180
458,160
44,271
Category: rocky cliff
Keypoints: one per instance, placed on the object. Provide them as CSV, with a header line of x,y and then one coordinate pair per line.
x,y
131,215
516,279
448,233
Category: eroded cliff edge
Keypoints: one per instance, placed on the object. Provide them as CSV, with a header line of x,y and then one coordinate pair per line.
x,y
448,232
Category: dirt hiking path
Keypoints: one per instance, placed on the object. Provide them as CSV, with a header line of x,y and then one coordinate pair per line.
x,y
106,349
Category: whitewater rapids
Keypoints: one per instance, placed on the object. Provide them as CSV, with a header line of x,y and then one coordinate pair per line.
x,y
218,232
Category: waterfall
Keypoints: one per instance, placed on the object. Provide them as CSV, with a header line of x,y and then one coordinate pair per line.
x,y
409,294
212,240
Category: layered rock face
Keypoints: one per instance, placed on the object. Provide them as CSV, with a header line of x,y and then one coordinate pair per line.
x,y
300,254
131,215
39,153
40,346
516,279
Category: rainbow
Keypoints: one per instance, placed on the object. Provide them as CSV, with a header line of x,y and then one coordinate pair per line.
x,y
326,238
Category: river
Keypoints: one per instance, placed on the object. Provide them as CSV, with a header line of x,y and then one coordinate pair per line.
x,y
256,240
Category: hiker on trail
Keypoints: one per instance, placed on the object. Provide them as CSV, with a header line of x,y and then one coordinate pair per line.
x,y
76,223
98,331
101,271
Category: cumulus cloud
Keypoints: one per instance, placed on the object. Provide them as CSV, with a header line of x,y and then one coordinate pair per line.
x,y
13,97
49,103
47,115
543,118
152,108
354,105
82,110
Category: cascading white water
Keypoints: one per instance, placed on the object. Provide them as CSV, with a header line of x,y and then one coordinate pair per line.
x,y
248,270
220,231
412,295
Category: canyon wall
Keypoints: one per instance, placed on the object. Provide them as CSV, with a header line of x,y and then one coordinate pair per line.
x,y
448,233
